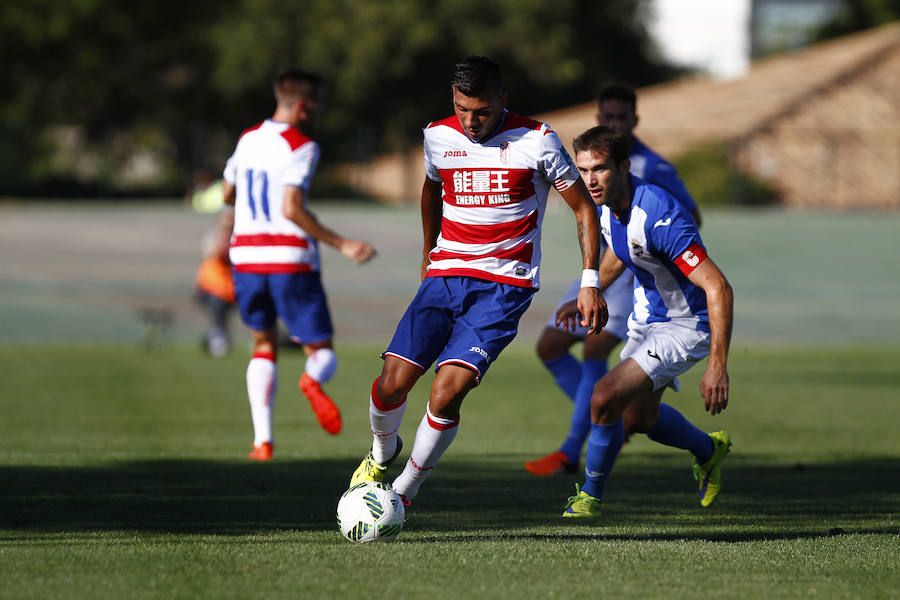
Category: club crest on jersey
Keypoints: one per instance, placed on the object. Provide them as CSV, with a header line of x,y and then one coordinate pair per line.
x,y
504,153
636,248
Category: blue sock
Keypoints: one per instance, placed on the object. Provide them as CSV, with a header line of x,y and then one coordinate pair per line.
x,y
567,372
580,427
672,429
603,448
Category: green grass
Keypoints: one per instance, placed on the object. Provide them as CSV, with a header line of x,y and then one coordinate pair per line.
x,y
122,474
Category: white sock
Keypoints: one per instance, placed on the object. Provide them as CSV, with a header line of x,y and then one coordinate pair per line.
x,y
433,438
385,422
321,364
262,381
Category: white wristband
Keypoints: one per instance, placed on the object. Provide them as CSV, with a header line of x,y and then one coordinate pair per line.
x,y
590,278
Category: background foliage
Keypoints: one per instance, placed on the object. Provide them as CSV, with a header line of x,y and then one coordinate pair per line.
x,y
106,97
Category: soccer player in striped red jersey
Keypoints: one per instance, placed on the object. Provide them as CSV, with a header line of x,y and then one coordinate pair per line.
x,y
274,251
488,172
682,314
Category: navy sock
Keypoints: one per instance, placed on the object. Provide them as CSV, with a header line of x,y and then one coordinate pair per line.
x,y
580,426
567,372
672,429
603,448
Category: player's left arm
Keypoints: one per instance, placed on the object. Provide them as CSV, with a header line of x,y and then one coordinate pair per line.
x,y
590,303
294,210
432,205
720,305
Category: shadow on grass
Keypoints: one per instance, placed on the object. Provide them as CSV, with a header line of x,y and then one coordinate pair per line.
x,y
490,498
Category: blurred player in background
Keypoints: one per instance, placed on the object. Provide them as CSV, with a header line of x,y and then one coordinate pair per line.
x,y
488,172
617,105
274,250
214,284
682,314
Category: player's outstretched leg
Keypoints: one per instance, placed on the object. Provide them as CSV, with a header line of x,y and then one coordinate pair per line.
x,y
433,437
709,474
320,366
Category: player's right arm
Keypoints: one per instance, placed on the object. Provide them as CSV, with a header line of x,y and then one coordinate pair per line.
x,y
294,210
431,218
591,304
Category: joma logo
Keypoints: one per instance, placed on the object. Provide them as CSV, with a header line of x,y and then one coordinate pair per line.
x,y
454,153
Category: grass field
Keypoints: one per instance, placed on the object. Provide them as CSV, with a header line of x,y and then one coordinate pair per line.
x,y
122,471
122,475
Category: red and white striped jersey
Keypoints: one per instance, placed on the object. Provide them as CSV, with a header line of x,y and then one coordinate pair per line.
x,y
268,158
494,197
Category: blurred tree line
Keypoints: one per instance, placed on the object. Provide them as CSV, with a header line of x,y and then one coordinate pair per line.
x,y
112,98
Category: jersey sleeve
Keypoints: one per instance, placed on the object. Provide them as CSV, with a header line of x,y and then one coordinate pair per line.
x,y
430,170
302,166
555,162
673,235
664,175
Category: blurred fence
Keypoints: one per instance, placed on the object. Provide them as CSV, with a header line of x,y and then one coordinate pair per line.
x,y
104,273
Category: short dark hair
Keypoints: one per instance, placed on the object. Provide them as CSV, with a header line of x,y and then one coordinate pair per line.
x,y
293,84
477,76
603,139
618,91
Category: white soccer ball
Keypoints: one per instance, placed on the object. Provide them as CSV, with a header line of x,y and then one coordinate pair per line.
x,y
370,511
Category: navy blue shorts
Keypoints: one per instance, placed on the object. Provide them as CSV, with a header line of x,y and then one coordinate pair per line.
x,y
459,320
298,298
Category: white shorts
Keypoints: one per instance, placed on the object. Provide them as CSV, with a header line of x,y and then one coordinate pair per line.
x,y
665,350
619,302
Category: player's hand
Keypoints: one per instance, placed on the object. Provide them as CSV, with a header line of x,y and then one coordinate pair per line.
x,y
567,316
714,389
593,308
357,250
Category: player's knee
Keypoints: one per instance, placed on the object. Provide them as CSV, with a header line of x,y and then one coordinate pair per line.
x,y
392,388
549,346
606,404
321,364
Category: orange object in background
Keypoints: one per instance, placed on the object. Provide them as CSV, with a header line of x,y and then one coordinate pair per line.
x,y
214,277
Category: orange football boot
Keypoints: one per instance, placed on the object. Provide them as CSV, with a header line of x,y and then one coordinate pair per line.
x,y
326,411
552,464
261,452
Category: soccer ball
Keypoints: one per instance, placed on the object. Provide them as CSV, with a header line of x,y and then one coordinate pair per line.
x,y
370,511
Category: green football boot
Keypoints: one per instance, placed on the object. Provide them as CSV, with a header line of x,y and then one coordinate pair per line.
x,y
709,474
582,505
369,470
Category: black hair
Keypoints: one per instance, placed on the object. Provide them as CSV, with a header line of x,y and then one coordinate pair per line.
x,y
618,91
477,76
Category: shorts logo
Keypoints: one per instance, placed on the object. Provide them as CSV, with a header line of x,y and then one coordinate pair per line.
x,y
520,271
478,350
690,258
454,153
651,354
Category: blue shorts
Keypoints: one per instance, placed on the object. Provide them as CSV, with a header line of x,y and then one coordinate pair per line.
x,y
459,320
298,298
